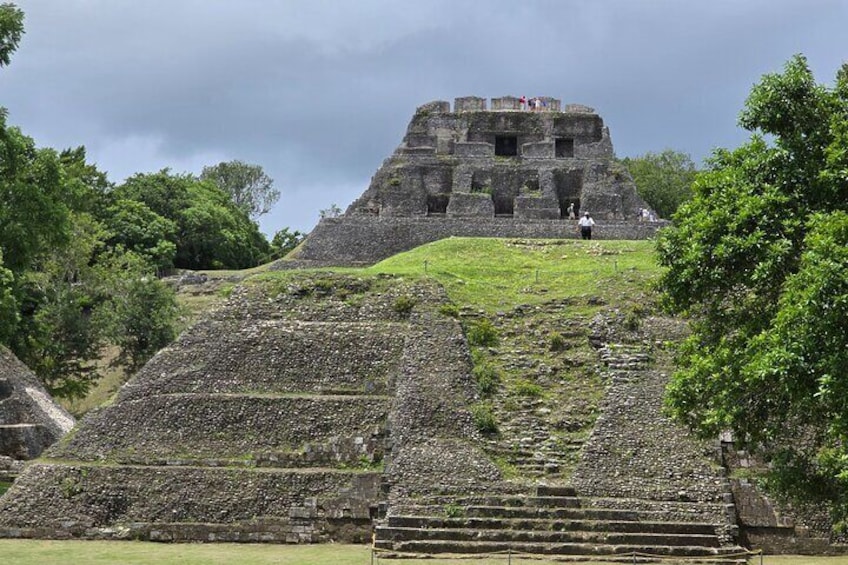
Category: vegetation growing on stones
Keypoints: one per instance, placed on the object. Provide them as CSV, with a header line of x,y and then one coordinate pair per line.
x,y
487,377
482,333
484,418
449,310
758,259
556,342
403,305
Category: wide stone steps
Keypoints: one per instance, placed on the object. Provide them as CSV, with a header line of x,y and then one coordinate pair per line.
x,y
549,513
556,525
554,548
555,521
396,534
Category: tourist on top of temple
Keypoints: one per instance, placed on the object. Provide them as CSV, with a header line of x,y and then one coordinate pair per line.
x,y
585,224
522,102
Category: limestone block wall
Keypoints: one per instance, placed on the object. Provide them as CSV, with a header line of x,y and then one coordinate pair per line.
x,y
186,503
468,204
30,420
358,240
190,427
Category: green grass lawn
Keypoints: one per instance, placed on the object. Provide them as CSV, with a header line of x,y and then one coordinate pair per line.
x,y
495,274
40,552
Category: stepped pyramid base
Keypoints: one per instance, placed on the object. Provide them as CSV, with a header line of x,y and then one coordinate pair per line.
x,y
555,521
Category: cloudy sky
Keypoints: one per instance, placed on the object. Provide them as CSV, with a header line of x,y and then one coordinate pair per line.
x,y
319,92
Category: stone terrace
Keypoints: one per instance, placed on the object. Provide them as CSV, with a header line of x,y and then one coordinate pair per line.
x,y
268,421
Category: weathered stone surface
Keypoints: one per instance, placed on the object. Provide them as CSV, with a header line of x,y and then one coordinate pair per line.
x,y
269,421
30,420
449,162
361,240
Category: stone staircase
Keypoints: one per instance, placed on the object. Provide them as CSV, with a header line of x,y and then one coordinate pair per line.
x,y
555,521
641,487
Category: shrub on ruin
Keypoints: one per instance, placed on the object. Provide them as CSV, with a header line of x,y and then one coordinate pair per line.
x,y
487,378
483,333
484,419
449,310
556,342
403,305
524,387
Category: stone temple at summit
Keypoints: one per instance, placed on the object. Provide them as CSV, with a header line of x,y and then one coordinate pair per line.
x,y
499,171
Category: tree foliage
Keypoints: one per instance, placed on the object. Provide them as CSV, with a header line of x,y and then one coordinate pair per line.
x,y
250,189
79,256
663,179
33,212
63,272
284,241
758,259
11,31
211,231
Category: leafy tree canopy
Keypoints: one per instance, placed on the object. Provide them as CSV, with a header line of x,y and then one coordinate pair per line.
x,y
663,179
758,258
11,31
33,210
211,231
248,186
284,241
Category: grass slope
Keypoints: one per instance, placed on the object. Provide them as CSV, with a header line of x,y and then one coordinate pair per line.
x,y
497,274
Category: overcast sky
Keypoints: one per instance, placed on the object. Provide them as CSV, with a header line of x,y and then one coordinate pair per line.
x,y
319,92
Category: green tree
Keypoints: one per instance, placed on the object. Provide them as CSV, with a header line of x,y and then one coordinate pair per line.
x,y
58,337
663,179
33,212
141,314
135,227
11,31
758,259
249,187
212,233
8,304
284,241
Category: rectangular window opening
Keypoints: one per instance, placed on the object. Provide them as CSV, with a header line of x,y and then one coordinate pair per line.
x,y
506,146
564,147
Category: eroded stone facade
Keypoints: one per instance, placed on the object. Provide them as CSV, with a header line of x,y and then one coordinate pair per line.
x,y
503,171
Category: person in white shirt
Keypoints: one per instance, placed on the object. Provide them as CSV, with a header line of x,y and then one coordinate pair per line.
x,y
585,223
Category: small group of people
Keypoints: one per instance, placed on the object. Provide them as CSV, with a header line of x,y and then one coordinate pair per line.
x,y
646,215
535,104
584,224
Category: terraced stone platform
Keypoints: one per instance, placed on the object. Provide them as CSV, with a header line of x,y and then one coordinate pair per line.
x,y
318,407
268,421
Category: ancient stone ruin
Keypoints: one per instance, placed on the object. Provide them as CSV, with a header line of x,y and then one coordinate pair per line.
x,y
30,421
489,172
316,407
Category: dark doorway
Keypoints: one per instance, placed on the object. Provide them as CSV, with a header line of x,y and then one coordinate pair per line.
x,y
506,146
504,203
564,147
569,187
437,204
